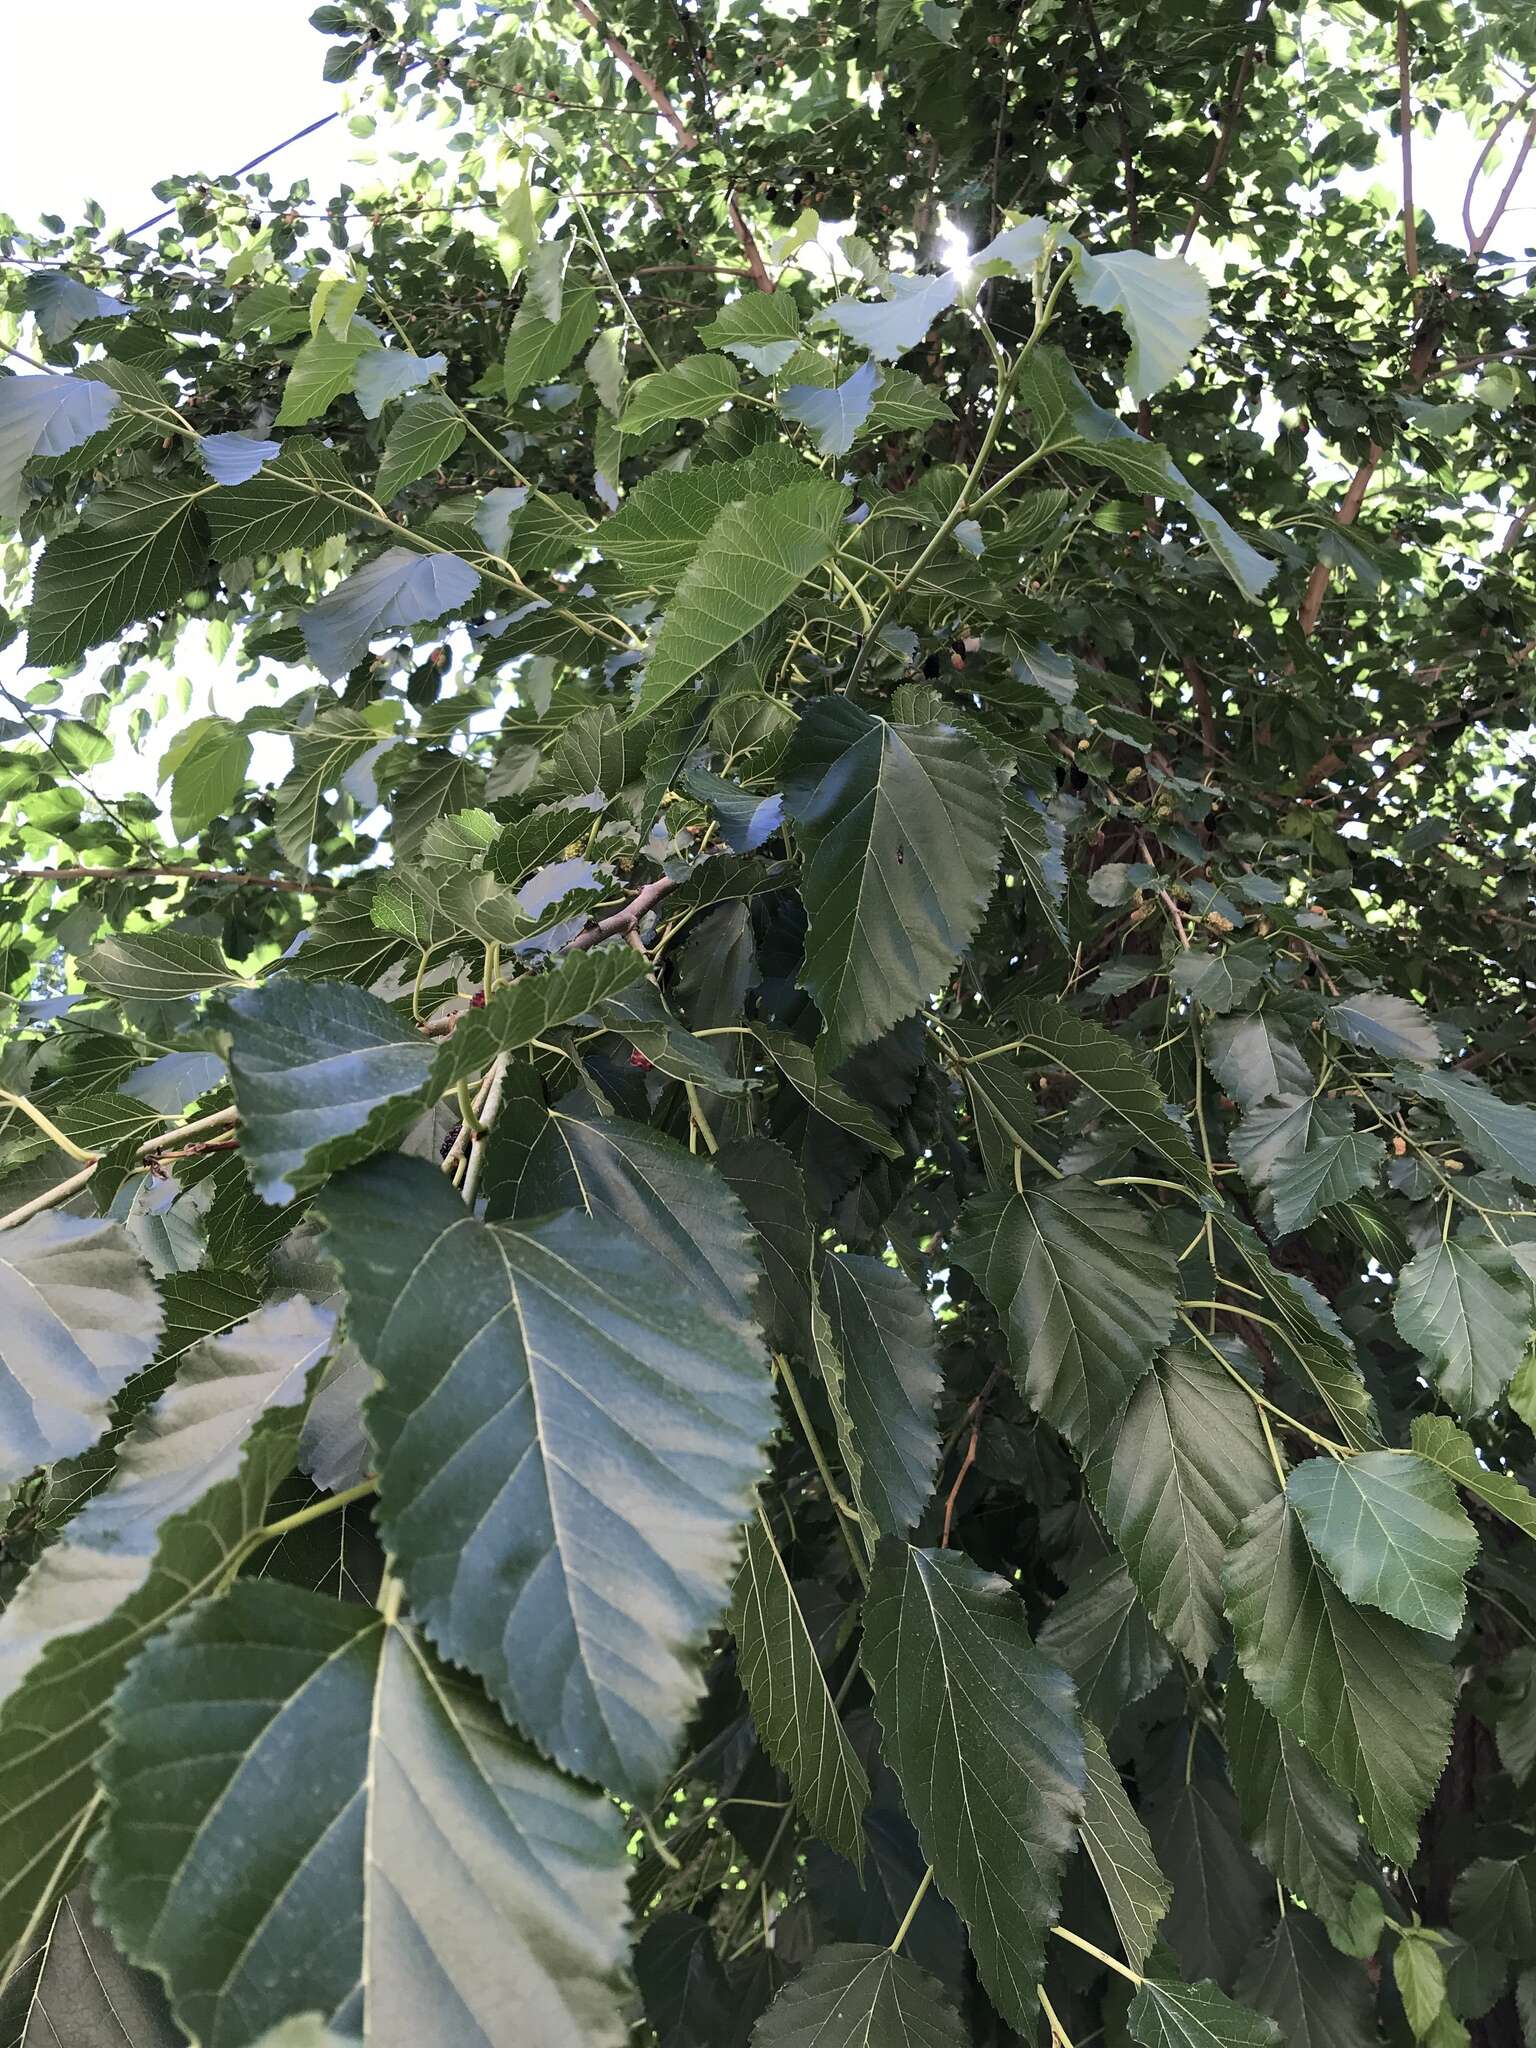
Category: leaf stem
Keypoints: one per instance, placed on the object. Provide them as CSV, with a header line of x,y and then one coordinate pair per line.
x,y
1060,2038
1260,1401
1090,1949
47,1126
696,1111
894,1945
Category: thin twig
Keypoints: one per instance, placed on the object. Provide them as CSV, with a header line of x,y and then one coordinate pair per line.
x,y
231,877
624,57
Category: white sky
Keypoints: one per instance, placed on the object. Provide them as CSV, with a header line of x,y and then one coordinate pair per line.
x,y
156,87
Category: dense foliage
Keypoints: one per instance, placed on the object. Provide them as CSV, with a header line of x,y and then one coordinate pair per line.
x,y
769,1221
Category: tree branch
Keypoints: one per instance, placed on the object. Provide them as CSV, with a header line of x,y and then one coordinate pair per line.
x,y
757,268
620,53
1226,132
233,878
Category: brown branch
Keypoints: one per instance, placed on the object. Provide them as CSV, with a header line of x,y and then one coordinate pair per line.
x,y
620,53
757,269
624,920
233,878
1203,706
1226,133
1405,136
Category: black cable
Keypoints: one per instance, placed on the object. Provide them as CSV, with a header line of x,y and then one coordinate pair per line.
x,y
324,121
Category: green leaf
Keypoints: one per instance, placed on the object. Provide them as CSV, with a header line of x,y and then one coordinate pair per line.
x,y
1420,1976
1385,1024
1186,1464
663,522
1163,302
834,414
1494,1904
510,1902
857,1996
322,370
157,967
755,554
550,1353
324,1074
538,349
1196,2016
983,1734
762,328
1084,1292
1467,1308
640,1015
135,551
397,588
1099,1632
693,389
1368,1697
1221,1897
425,433
1255,1059
771,1189
1120,1851
52,1726
302,499
796,1719
335,301
1068,422
901,829
1317,1997
322,755
801,1069
45,416
1291,1815
1108,1071
883,1339
1306,1155
78,1317
525,1009
1392,1533
1218,980
1437,1439
387,373
1499,1134
888,327
207,763
76,1991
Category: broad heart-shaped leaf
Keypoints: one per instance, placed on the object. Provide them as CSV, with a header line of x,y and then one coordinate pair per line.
x,y
1499,1134
883,1338
423,435
1200,2015
1083,1290
693,389
206,763
297,501
1069,423
232,459
323,755
1106,1068
538,349
1387,1024
1467,1308
983,1733
1494,1903
796,1719
386,373
1392,1533
1371,1699
76,1991
61,303
829,1098
1185,1465
857,1996
1305,1154
1099,1631
761,327
78,1317
1313,1993
323,1073
901,827
400,588
427,1879
755,554
322,370
1255,1058
1221,1897
1292,1817
136,548
1162,300
567,1444
1437,1439
663,522
1137,1892
45,416
157,967
210,1496
889,327
833,413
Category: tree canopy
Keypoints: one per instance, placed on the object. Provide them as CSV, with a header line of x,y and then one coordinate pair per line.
x,y
768,1197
